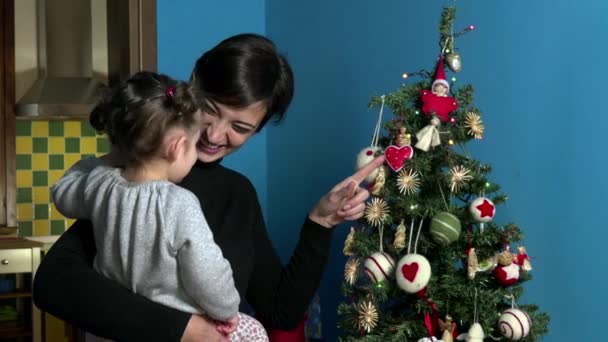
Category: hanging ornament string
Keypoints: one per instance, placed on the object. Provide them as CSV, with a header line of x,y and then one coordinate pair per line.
x,y
380,232
411,235
475,318
447,206
409,240
418,236
376,136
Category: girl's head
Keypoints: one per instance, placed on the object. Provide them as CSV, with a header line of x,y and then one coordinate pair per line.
x,y
246,83
151,116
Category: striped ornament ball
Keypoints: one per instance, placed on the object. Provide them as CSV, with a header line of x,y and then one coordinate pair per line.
x,y
514,324
445,228
378,266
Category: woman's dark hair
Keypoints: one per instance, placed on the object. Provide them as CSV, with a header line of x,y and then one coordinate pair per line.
x,y
138,112
245,69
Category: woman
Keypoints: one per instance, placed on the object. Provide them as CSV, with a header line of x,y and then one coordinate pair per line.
x,y
247,83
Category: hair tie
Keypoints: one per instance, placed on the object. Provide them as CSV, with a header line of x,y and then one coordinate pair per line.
x,y
170,92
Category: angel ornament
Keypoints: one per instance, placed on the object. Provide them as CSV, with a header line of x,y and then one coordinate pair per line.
x,y
522,259
447,329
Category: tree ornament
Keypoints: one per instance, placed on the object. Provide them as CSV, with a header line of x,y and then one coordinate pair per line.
x,y
514,324
429,339
403,138
368,316
447,329
507,272
379,183
460,175
376,212
348,243
408,182
445,228
378,266
522,259
475,333
472,263
482,210
474,124
351,270
413,273
400,235
396,156
454,62
364,157
436,100
428,136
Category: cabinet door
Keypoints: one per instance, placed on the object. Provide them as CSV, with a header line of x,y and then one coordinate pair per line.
x,y
8,215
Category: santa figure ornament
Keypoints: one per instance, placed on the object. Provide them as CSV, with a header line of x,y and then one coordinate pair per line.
x,y
436,100
437,104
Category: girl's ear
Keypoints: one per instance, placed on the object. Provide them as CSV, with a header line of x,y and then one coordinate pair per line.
x,y
174,147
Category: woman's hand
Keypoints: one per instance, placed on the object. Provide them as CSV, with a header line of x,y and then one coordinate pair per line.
x,y
346,200
200,328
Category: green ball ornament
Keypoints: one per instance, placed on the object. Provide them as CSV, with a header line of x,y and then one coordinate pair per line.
x,y
445,228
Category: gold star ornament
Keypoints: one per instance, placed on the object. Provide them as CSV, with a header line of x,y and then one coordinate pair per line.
x,y
351,270
408,182
460,175
376,212
474,125
368,316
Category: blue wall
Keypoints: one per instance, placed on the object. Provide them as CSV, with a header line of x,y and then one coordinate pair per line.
x,y
531,64
186,29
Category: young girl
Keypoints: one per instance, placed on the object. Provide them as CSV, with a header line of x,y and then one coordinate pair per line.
x,y
150,234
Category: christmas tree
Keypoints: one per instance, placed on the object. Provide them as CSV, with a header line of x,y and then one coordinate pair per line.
x,y
427,262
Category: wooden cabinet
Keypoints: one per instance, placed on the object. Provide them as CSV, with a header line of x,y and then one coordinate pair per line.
x,y
8,214
19,260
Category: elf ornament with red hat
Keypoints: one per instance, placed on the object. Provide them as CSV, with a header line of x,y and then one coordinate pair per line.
x,y
437,104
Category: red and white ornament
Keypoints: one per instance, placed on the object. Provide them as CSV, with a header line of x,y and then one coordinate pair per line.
x,y
482,209
396,156
514,324
413,273
364,157
378,266
507,275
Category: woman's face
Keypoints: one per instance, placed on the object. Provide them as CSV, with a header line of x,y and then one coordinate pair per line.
x,y
224,131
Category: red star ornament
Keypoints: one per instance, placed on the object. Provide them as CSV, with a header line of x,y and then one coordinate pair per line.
x,y
507,275
482,209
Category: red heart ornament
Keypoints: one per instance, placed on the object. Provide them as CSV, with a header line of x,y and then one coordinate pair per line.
x,y
410,271
397,155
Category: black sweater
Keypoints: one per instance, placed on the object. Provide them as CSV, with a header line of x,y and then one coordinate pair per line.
x,y
67,286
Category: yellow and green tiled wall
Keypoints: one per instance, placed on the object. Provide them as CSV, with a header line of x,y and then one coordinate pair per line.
x,y
45,150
